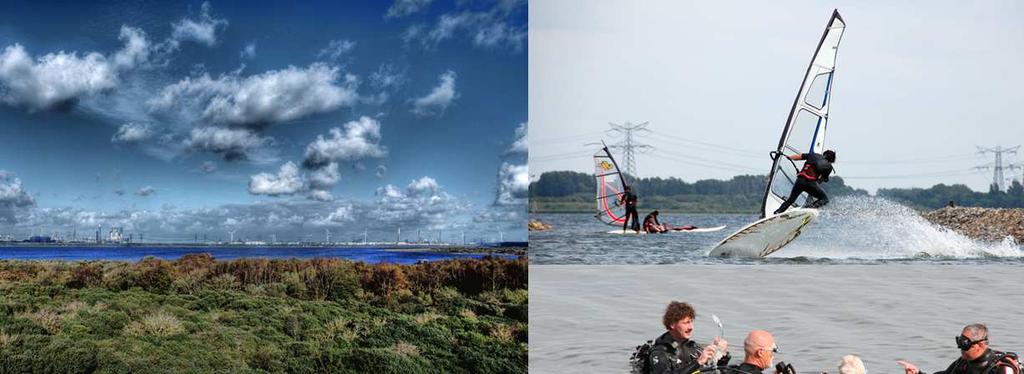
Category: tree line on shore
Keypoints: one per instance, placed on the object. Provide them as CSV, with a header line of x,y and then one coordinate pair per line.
x,y
564,191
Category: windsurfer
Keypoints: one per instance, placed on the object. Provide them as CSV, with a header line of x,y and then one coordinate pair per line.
x,y
816,170
629,200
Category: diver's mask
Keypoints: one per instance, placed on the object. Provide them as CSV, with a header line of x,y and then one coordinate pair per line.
x,y
965,343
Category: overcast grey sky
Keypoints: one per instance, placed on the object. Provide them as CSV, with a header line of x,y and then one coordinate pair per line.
x,y
918,85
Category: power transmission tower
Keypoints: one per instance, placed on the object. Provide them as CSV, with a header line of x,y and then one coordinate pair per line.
x,y
998,180
629,146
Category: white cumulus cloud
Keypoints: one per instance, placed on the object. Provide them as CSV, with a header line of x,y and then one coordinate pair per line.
x,y
513,184
131,133
358,140
270,97
60,79
231,144
521,145
325,177
54,79
438,100
287,181
202,30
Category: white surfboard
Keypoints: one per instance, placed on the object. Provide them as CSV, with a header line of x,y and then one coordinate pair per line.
x,y
767,235
699,229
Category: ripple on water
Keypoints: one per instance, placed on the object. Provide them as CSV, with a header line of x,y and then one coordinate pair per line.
x,y
851,230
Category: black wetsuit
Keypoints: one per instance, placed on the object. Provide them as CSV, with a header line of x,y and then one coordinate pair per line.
x,y
816,170
629,198
673,356
990,362
744,368
650,218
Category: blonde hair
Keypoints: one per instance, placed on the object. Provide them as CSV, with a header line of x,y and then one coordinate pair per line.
x,y
851,364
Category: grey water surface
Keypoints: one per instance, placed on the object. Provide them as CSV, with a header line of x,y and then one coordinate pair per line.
x,y
851,230
588,319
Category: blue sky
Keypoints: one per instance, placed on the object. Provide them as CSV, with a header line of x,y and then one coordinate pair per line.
x,y
176,118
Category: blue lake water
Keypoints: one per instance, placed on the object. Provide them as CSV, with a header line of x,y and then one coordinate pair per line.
x,y
135,253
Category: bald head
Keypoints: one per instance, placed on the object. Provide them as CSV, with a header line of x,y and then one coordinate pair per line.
x,y
758,339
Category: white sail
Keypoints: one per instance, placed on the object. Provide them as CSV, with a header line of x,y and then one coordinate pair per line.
x,y
808,119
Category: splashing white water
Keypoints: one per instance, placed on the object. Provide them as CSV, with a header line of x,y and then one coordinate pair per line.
x,y
876,228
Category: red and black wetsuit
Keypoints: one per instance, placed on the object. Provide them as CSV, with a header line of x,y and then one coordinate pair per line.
x,y
816,170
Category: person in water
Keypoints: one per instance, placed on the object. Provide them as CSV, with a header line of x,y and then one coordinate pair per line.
x,y
816,169
851,364
975,356
652,226
759,353
629,200
674,352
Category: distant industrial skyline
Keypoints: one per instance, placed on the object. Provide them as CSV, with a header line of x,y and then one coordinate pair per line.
x,y
174,120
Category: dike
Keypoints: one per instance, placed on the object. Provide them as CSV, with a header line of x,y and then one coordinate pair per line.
x,y
987,224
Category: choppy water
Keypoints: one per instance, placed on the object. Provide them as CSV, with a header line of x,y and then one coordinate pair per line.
x,y
587,319
135,253
849,230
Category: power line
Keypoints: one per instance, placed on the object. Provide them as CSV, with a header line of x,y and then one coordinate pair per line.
x,y
716,147
628,145
998,180
946,173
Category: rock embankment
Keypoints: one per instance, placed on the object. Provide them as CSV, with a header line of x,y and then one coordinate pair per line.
x,y
536,225
981,223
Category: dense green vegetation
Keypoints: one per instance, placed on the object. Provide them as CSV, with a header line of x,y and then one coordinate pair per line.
x,y
940,195
256,315
568,191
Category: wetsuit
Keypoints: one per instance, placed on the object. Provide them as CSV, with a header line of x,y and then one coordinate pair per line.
x,y
649,221
816,170
990,362
674,356
744,368
629,198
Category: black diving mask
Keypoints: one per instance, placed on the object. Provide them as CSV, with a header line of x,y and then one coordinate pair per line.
x,y
965,343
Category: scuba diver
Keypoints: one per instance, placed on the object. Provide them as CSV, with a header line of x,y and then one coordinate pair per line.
x,y
674,352
759,354
975,356
816,169
652,226
629,199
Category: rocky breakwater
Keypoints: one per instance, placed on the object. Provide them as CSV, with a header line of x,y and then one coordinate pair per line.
x,y
537,225
987,224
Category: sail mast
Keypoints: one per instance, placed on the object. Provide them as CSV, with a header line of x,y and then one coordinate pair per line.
x,y
807,122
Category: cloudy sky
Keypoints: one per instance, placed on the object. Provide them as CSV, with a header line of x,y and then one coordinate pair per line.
x,y
918,85
181,118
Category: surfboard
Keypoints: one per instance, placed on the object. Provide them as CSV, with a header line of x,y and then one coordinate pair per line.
x,y
696,230
765,236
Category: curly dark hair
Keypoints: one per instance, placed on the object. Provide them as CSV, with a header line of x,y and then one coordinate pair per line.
x,y
676,311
